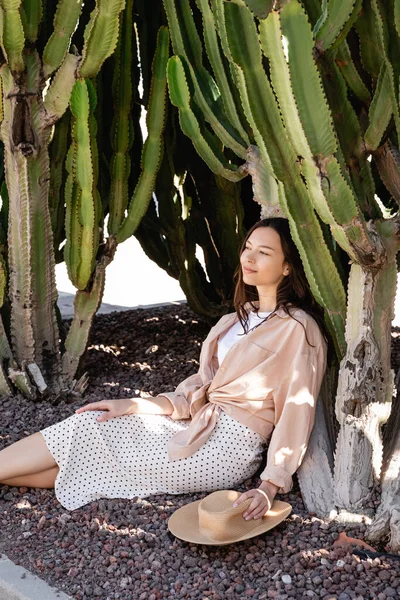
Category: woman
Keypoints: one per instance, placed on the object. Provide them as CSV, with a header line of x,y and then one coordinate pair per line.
x,y
259,377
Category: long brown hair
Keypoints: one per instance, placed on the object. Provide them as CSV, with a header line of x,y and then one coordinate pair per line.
x,y
292,292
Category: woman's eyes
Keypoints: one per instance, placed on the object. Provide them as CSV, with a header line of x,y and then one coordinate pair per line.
x,y
261,252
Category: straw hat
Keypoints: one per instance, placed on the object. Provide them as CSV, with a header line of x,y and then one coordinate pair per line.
x,y
216,522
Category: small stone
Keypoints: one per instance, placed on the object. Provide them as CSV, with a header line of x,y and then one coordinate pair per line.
x,y
390,592
274,577
344,596
384,575
286,579
340,563
324,561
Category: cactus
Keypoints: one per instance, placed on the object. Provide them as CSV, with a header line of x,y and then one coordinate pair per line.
x,y
319,133
51,189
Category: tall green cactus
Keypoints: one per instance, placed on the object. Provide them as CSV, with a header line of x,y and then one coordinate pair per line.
x,y
50,136
321,136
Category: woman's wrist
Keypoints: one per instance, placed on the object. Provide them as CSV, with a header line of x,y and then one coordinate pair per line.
x,y
269,488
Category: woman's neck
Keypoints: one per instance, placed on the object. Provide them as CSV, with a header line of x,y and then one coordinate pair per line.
x,y
266,299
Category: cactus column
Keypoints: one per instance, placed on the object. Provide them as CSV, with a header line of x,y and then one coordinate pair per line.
x,y
32,290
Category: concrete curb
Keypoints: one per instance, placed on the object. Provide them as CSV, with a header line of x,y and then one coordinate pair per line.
x,y
16,583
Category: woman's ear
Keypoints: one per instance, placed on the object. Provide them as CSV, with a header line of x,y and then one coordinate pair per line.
x,y
286,269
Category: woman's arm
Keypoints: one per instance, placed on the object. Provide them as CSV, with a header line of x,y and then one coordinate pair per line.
x,y
129,406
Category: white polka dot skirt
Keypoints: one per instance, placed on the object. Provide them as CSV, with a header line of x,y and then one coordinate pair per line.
x,y
126,457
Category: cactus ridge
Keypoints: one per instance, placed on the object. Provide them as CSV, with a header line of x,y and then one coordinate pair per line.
x,y
65,21
101,36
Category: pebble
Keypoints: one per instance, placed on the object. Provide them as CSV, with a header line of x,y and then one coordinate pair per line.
x,y
286,579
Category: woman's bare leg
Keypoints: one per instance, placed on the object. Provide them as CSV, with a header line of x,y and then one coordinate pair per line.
x,y
45,479
25,457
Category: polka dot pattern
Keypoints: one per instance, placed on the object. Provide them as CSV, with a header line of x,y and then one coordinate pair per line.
x,y
126,457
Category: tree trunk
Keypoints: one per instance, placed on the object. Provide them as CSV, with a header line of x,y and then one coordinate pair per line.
x,y
365,388
32,286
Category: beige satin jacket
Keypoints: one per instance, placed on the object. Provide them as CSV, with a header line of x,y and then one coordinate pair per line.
x,y
268,381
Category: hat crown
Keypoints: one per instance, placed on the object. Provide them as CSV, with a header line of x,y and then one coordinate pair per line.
x,y
220,521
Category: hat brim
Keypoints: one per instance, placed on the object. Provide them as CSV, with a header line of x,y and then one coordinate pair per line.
x,y
184,524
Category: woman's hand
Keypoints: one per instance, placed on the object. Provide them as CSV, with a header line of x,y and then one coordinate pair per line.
x,y
262,500
112,408
130,406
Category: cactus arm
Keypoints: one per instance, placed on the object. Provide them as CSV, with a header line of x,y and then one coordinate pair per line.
x,y
83,174
201,138
57,151
397,16
271,43
370,47
185,41
337,20
344,61
318,127
310,98
214,56
32,288
380,111
387,161
86,304
31,15
65,22
101,35
122,127
12,34
355,167
57,98
308,237
383,41
153,146
261,182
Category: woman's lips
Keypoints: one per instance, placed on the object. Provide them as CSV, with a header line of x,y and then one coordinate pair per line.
x,y
247,270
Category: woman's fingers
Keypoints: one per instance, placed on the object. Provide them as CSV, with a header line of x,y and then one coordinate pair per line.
x,y
101,405
258,506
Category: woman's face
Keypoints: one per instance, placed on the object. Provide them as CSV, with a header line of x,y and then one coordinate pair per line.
x,y
263,262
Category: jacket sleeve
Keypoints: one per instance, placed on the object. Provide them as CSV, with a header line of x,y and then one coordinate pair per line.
x,y
191,394
187,391
295,402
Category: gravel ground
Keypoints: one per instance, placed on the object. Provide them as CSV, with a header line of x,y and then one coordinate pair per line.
x,y
114,549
